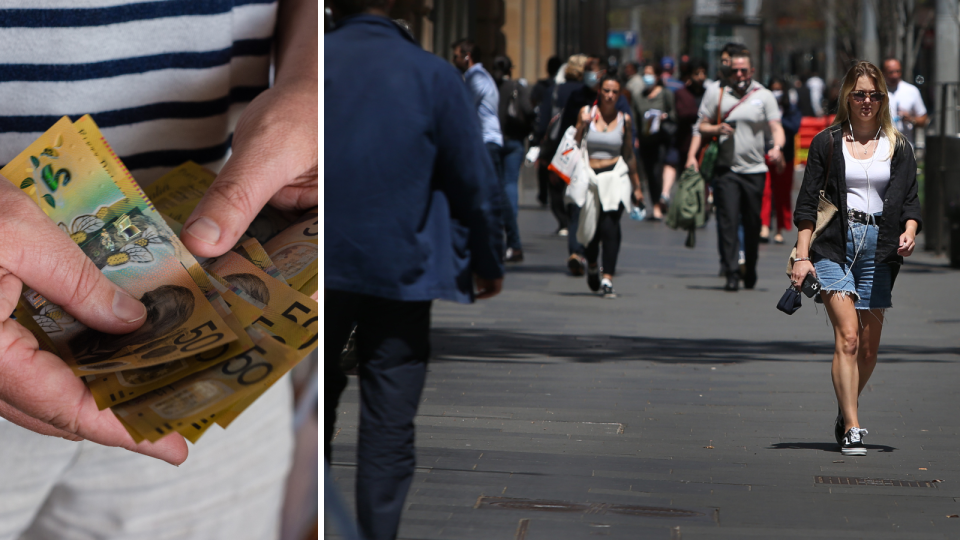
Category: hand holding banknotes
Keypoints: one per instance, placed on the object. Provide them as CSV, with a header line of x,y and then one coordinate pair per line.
x,y
38,391
274,155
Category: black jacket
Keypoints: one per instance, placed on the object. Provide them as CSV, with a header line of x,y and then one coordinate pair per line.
x,y
900,201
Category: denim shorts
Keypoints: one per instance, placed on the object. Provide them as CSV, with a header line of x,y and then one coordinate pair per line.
x,y
861,277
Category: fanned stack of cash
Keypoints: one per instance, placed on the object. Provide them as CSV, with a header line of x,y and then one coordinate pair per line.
x,y
217,334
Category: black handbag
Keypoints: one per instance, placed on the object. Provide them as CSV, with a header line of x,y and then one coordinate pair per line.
x,y
790,301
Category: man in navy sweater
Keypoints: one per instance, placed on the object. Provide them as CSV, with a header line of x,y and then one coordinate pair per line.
x,y
410,215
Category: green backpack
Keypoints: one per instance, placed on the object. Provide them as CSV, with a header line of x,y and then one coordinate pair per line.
x,y
688,208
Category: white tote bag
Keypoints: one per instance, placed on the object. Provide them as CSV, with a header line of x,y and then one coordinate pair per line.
x,y
565,161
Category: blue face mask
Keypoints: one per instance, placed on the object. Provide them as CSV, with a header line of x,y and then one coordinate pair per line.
x,y
649,79
590,78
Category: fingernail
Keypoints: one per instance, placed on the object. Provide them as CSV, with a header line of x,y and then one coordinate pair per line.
x,y
205,230
127,308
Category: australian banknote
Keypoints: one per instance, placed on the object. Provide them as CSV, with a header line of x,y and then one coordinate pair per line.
x,y
127,241
191,404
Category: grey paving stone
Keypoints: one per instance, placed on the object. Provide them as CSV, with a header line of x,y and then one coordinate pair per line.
x,y
548,392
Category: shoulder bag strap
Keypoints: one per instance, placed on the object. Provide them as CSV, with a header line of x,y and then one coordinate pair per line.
x,y
744,98
720,101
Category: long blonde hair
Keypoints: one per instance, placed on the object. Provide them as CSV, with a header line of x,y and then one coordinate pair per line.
x,y
866,69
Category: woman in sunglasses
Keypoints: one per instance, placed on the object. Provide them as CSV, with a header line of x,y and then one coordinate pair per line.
x,y
871,178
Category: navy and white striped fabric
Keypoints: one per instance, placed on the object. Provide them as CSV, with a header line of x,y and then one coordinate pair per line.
x,y
164,80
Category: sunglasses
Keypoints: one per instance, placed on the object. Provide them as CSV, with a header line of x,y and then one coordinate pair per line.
x,y
745,71
859,96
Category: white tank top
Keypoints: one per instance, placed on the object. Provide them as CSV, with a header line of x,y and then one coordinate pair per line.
x,y
861,194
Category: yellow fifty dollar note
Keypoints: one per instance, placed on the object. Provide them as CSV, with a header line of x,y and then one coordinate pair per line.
x,y
294,251
192,403
111,389
288,314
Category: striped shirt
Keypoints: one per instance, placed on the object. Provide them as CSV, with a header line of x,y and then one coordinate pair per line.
x,y
164,80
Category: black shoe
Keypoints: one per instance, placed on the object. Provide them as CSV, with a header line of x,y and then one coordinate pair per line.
x,y
513,255
852,444
593,278
750,278
838,427
575,264
733,282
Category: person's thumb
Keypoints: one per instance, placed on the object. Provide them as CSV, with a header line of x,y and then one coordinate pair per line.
x,y
39,254
241,190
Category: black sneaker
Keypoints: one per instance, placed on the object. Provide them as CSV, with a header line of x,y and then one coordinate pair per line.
x,y
593,278
606,287
733,282
852,444
838,427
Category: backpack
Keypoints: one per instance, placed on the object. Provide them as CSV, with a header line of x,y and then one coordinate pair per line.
x,y
517,117
688,207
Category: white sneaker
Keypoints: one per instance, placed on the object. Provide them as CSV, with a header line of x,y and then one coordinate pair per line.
x,y
563,232
606,288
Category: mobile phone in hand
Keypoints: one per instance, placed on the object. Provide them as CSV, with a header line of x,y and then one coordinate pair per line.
x,y
810,286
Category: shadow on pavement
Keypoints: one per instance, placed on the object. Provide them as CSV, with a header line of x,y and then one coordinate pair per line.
x,y
825,446
495,345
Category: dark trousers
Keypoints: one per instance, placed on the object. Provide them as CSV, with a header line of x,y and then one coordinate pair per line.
x,y
608,234
652,152
738,198
555,190
392,349
573,246
506,211
543,184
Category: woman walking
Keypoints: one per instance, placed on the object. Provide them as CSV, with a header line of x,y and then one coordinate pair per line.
x,y
613,169
867,170
656,109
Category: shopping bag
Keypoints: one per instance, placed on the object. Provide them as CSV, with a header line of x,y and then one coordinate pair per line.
x,y
567,157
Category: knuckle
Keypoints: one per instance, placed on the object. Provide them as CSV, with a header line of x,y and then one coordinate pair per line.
x,y
83,280
235,194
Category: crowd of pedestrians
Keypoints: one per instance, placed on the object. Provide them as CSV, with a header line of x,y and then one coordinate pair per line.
x,y
461,140
673,113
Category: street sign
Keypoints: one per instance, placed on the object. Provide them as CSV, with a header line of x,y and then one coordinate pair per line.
x,y
620,39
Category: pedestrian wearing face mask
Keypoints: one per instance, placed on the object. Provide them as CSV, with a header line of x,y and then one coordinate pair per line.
x,y
747,112
693,153
693,74
655,109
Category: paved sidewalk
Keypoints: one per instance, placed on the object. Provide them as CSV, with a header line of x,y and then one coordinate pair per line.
x,y
677,410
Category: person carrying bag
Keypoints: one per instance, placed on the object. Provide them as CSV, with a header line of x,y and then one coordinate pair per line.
x,y
610,167
856,222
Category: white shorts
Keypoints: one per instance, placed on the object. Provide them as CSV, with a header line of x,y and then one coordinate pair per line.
x,y
230,487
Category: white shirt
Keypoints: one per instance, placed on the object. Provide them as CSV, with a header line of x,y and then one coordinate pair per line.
x,y
816,86
867,179
906,98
